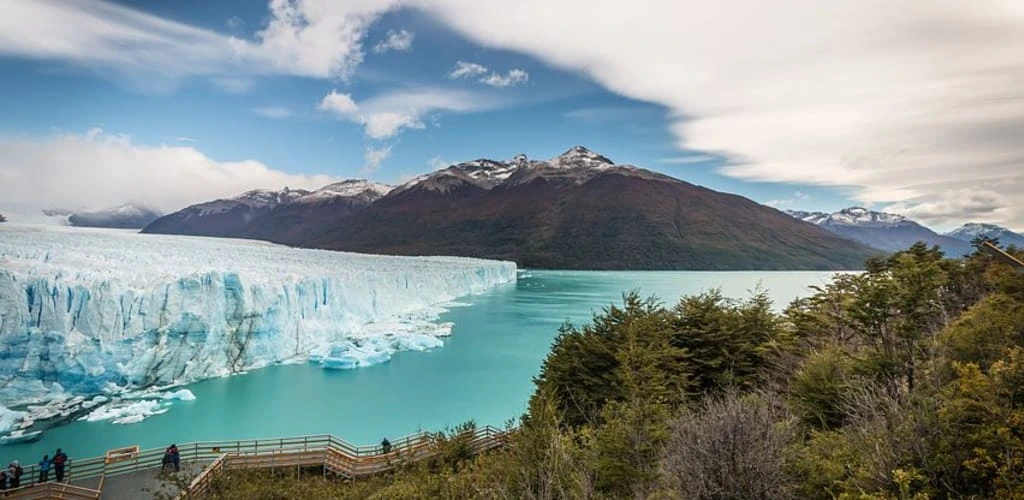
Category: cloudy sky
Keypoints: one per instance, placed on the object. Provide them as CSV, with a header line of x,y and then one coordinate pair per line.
x,y
809,104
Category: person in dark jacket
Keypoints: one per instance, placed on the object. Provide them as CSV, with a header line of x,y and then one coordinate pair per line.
x,y
14,474
44,469
171,456
59,460
385,445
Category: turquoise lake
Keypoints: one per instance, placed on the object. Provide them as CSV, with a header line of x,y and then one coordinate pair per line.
x,y
484,372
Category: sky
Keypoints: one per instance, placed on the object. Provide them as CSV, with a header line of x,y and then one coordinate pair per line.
x,y
915,108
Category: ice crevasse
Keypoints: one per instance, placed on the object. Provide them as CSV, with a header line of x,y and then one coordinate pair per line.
x,y
82,310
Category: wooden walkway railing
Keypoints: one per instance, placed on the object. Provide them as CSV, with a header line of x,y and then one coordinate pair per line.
x,y
999,253
328,451
55,490
341,458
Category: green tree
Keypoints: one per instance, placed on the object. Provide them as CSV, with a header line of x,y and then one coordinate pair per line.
x,y
583,372
727,340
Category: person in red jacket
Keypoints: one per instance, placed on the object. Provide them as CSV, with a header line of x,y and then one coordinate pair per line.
x,y
59,460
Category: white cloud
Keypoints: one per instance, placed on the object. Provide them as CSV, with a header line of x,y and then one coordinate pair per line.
x,y
302,37
273,111
956,206
316,38
339,103
512,78
903,105
395,40
386,124
373,157
465,69
100,170
387,114
895,104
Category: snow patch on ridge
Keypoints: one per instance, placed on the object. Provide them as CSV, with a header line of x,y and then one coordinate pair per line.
x,y
347,189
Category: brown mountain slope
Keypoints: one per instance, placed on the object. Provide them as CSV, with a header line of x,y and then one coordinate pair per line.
x,y
614,218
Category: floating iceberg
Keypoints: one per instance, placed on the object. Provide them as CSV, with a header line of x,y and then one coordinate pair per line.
x,y
180,395
21,436
8,418
126,412
91,311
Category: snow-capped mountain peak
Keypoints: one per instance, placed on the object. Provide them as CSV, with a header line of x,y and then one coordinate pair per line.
x,y
270,197
968,232
577,163
488,172
885,231
975,229
348,188
581,157
860,216
520,160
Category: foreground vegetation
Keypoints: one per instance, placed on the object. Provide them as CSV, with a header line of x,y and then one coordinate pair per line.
x,y
904,382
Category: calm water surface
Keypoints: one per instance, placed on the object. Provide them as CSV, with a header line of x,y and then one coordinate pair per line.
x,y
484,372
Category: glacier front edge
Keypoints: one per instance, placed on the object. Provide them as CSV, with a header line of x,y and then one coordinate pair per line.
x,y
86,310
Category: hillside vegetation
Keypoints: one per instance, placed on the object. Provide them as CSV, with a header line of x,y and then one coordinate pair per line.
x,y
903,382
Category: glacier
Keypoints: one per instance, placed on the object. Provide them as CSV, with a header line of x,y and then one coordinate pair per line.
x,y
85,312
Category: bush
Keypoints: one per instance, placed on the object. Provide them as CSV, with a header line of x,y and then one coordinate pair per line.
x,y
733,447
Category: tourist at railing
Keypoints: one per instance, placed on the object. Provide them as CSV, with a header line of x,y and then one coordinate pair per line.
x,y
385,446
3,480
172,457
14,472
59,460
44,469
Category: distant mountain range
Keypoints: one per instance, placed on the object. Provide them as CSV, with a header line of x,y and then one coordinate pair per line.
x,y
282,216
968,232
893,232
127,216
889,232
578,210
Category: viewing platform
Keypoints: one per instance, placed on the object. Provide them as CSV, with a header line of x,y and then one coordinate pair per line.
x,y
130,473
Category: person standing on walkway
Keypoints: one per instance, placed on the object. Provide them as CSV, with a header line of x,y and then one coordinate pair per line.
x,y
386,446
3,480
14,471
59,459
44,469
175,457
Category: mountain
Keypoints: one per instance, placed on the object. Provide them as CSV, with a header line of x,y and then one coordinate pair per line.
x,y
228,217
127,216
290,222
968,232
884,231
578,210
581,211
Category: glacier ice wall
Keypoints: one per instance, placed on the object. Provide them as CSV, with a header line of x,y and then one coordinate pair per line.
x,y
81,309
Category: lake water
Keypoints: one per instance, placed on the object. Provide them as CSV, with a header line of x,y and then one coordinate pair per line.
x,y
484,372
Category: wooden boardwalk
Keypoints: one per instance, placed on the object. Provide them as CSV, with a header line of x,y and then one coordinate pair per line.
x,y
136,474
